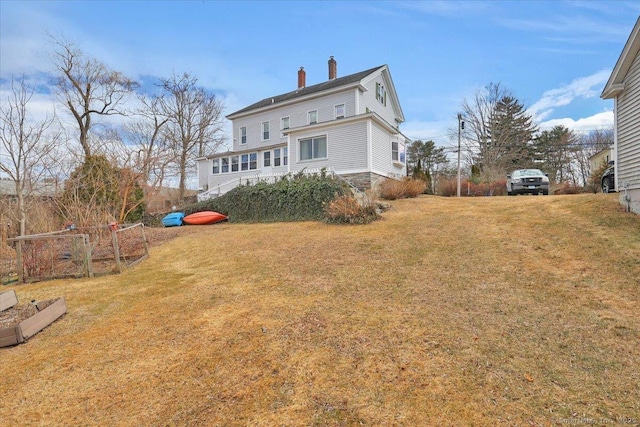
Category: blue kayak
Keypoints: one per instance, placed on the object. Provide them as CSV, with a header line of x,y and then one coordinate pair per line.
x,y
174,219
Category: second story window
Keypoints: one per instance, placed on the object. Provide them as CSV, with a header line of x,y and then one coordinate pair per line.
x,y
313,117
243,135
284,123
265,131
339,111
381,94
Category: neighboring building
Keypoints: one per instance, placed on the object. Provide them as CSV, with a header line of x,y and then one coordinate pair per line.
x,y
601,157
347,125
624,88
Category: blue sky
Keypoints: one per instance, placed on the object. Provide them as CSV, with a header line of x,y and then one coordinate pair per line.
x,y
555,56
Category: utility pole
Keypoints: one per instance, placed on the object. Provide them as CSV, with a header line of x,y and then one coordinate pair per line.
x,y
460,127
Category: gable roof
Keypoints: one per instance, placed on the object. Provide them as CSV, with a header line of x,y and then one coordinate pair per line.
x,y
615,84
309,90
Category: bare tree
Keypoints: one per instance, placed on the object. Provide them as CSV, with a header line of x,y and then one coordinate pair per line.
x,y
195,121
26,146
148,135
88,88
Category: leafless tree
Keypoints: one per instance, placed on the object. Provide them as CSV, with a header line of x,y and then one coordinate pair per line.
x,y
26,146
195,121
88,88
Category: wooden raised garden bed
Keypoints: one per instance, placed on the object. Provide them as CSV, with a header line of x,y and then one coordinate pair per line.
x,y
19,323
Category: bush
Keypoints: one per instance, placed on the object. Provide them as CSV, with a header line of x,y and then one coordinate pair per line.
x,y
449,187
292,198
391,189
569,188
348,210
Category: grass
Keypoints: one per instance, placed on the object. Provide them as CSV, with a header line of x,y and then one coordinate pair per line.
x,y
473,311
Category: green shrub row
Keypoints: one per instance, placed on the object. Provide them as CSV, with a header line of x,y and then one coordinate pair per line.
x,y
292,198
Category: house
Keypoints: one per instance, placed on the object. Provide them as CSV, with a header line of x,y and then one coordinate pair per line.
x,y
601,157
346,125
623,87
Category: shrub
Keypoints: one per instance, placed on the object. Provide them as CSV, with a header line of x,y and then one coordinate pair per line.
x,y
449,187
292,198
348,210
568,188
392,189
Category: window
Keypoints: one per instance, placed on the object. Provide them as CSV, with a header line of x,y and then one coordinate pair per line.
x,y
313,117
340,111
284,123
313,148
276,157
243,135
253,161
225,165
234,164
265,131
267,158
216,166
244,163
397,152
381,94
285,156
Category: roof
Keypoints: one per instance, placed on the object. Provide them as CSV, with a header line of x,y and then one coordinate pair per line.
x,y
615,84
320,87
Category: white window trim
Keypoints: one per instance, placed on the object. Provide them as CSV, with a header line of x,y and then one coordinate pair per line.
x,y
344,111
282,122
313,159
399,162
309,117
245,135
262,131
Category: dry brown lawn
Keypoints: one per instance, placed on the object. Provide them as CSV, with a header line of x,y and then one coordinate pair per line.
x,y
448,312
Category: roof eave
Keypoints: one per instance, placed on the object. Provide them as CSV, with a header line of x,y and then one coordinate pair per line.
x,y
314,95
619,73
612,91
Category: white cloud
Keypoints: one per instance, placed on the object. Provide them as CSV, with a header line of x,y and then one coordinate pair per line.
x,y
603,120
583,87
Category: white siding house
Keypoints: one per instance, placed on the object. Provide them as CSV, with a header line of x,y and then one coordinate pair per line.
x,y
348,125
624,88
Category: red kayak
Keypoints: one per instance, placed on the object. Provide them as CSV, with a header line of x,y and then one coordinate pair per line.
x,y
203,218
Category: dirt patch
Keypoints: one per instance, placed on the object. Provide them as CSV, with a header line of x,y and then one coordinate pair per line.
x,y
13,316
158,235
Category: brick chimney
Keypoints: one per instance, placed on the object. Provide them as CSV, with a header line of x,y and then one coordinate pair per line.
x,y
333,68
302,78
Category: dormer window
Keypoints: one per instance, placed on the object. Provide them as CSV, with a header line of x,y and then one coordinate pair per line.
x,y
340,111
381,94
313,117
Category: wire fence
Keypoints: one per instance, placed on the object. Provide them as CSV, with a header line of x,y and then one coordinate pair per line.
x,y
75,252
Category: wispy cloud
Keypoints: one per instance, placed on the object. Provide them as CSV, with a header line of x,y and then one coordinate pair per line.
x,y
583,87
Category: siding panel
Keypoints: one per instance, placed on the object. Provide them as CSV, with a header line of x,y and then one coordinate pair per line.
x,y
628,122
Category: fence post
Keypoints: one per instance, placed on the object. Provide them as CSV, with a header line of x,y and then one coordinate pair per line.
x,y
87,254
19,265
116,249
